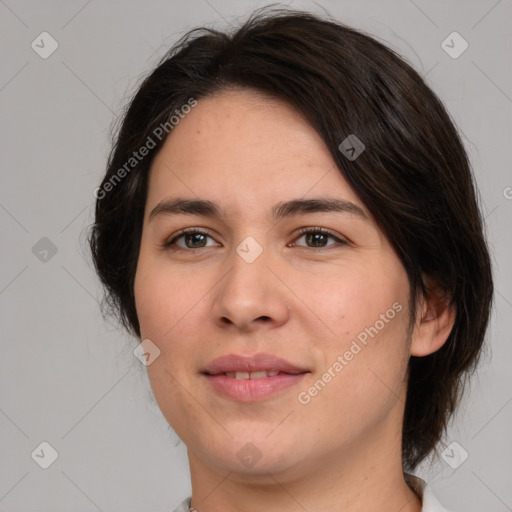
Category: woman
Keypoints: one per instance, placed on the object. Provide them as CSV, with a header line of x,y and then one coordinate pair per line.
x,y
289,225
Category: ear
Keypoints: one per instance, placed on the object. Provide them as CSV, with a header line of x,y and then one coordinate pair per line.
x,y
434,321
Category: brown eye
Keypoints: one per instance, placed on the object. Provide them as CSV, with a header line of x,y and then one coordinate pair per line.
x,y
194,240
317,238
189,239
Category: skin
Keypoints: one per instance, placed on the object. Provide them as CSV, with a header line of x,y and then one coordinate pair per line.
x,y
341,451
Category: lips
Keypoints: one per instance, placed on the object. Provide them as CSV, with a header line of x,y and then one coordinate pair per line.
x,y
236,364
252,378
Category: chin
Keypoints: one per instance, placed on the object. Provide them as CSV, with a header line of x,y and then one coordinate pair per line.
x,y
250,456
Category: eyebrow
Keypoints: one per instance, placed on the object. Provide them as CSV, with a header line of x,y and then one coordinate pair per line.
x,y
281,210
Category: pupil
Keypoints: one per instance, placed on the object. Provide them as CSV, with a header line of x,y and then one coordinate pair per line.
x,y
317,239
196,238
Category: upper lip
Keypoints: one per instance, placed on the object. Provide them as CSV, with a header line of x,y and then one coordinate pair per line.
x,y
254,363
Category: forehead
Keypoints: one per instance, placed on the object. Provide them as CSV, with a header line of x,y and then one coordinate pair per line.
x,y
245,129
247,148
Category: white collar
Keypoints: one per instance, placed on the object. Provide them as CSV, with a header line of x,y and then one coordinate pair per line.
x,y
428,499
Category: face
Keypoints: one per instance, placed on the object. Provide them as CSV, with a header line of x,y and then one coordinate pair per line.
x,y
283,271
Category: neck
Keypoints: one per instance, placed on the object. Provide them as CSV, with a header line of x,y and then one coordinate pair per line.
x,y
365,477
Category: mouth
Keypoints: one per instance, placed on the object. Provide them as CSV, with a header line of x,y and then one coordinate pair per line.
x,y
233,365
261,374
252,378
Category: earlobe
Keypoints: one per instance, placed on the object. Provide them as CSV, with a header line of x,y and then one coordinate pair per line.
x,y
435,318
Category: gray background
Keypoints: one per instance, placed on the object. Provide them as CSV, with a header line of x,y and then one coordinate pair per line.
x,y
69,378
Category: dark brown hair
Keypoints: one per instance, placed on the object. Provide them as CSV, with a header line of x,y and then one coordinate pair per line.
x,y
414,175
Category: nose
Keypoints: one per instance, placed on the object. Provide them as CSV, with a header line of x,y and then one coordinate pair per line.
x,y
251,296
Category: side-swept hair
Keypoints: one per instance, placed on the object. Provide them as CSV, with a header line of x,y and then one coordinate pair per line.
x,y
414,175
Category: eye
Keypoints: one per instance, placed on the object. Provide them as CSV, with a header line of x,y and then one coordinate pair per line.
x,y
318,238
191,238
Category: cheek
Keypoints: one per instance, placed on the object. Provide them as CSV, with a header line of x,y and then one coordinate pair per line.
x,y
163,297
173,310
348,300
363,375
168,304
366,311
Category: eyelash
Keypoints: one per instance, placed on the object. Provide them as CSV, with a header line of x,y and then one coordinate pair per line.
x,y
170,245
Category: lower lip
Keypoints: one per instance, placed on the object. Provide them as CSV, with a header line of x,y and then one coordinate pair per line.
x,y
251,390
